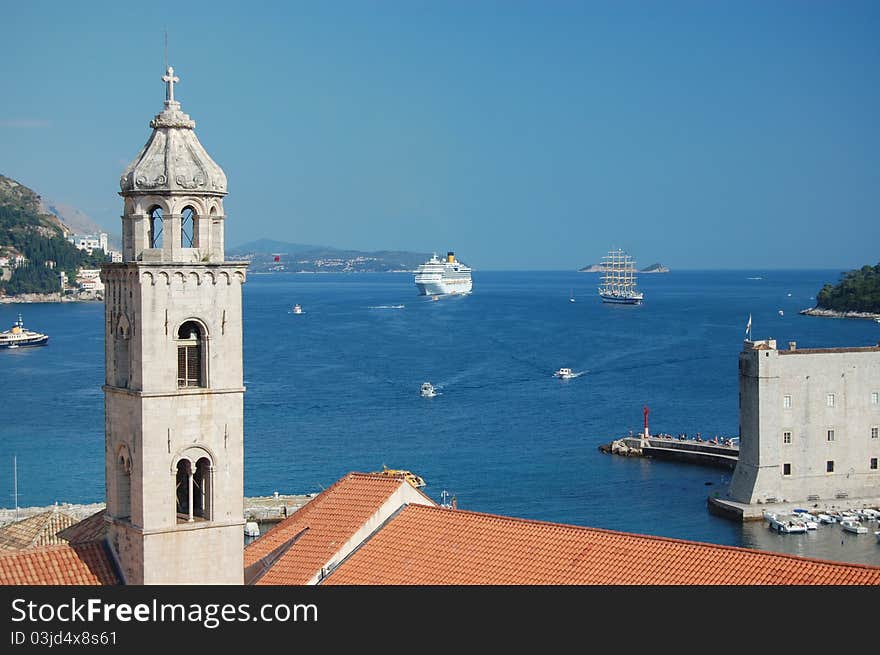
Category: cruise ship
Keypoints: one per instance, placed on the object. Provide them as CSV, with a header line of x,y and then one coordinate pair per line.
x,y
437,277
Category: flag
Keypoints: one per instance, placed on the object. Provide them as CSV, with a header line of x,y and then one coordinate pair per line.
x,y
749,326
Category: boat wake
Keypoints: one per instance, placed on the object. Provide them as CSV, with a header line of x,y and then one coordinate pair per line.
x,y
387,306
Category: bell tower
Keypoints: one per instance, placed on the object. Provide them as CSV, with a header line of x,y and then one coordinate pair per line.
x,y
173,391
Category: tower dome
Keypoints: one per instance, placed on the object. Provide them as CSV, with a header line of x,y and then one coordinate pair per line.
x,y
173,160
173,193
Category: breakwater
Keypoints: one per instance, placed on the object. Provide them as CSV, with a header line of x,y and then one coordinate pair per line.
x,y
721,453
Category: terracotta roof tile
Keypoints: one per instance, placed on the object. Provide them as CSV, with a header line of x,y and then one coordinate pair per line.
x,y
436,546
85,564
37,530
91,528
295,550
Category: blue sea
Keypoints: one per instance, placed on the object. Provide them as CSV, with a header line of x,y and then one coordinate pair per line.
x,y
336,389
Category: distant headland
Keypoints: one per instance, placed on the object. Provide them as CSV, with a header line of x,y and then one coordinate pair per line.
x,y
856,295
598,268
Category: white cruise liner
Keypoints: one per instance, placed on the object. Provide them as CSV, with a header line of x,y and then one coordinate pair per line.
x,y
437,277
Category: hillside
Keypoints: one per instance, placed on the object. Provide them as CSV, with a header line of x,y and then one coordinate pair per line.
x,y
33,244
304,258
857,291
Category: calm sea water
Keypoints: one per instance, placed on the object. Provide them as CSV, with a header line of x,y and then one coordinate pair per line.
x,y
336,389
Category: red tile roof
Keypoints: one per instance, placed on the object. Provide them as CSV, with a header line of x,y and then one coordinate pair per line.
x,y
85,564
436,546
295,550
91,528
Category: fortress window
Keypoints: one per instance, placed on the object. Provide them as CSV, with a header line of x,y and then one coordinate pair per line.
x,y
190,356
156,223
829,466
875,430
829,400
830,435
873,463
786,469
786,401
875,398
786,437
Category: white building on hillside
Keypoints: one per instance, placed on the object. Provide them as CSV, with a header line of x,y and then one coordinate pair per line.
x,y
91,242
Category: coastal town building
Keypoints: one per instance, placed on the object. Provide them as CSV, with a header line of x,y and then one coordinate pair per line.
x,y
89,279
174,455
91,242
809,423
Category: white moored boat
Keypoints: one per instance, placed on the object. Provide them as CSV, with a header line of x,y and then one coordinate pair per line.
x,y
18,336
785,525
443,277
427,390
852,525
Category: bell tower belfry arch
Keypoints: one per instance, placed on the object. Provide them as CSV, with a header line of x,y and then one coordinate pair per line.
x,y
173,392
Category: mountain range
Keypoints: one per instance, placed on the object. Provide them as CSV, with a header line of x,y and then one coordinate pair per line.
x,y
267,255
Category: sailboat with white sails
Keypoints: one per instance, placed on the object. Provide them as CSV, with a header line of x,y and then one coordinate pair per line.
x,y
619,279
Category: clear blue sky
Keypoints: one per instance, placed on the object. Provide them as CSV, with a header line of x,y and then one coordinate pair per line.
x,y
521,134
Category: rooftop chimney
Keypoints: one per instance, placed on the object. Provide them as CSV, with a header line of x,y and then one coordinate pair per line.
x,y
792,345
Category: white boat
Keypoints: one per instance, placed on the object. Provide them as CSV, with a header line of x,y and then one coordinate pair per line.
x,y
438,277
18,336
785,525
851,525
564,374
619,280
825,519
297,309
571,296
868,514
427,390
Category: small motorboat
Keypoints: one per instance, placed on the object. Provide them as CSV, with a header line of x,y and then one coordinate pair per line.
x,y
564,374
297,309
785,525
854,526
825,519
427,390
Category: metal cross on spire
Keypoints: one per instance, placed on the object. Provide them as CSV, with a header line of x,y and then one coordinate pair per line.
x,y
170,78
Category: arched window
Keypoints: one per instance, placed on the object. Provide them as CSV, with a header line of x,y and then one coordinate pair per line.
x,y
189,228
194,490
121,352
190,356
123,484
156,224
182,490
202,489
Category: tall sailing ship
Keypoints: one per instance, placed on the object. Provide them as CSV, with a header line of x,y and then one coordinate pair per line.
x,y
619,279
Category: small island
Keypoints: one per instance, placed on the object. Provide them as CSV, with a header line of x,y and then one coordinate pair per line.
x,y
856,295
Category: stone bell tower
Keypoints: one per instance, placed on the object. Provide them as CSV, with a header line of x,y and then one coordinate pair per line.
x,y
173,393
